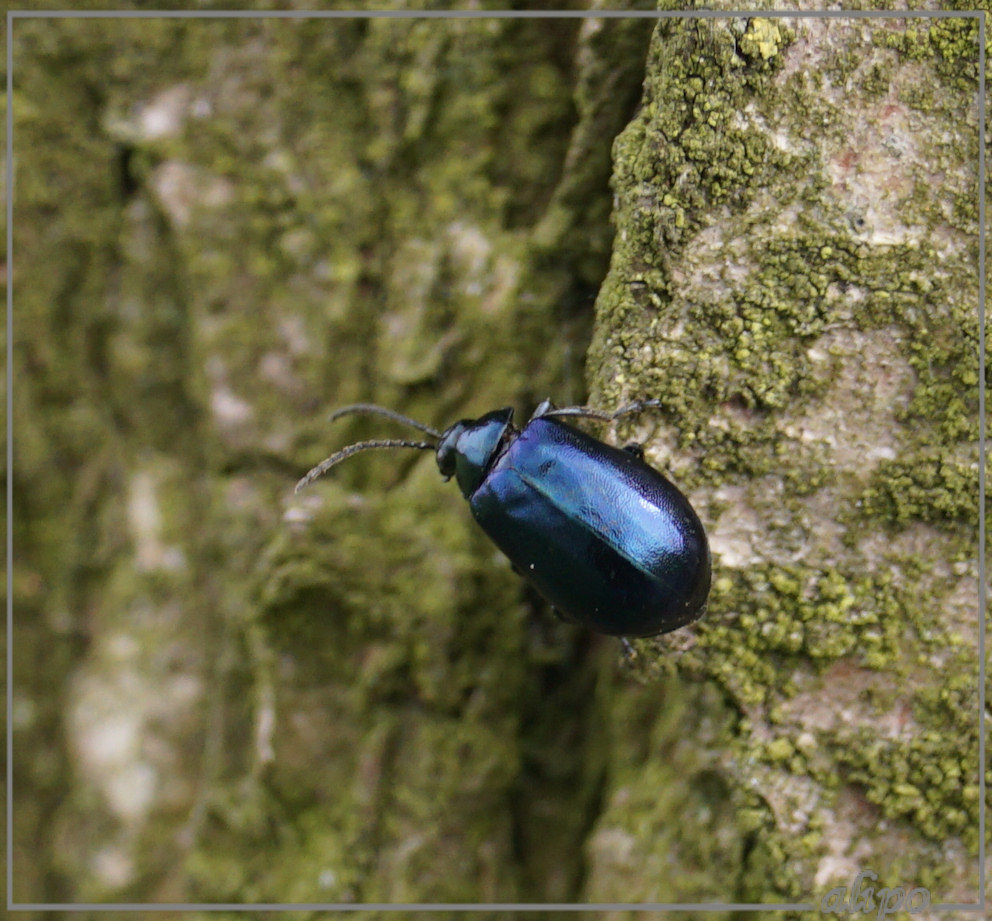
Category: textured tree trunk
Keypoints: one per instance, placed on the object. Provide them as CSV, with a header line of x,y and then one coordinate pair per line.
x,y
224,229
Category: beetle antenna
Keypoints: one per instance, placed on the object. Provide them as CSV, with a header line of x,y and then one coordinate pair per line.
x,y
345,453
589,413
357,408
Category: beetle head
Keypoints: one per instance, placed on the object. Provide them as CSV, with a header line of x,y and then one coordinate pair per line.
x,y
467,448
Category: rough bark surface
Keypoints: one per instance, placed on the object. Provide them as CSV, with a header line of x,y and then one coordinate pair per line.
x,y
224,229
796,277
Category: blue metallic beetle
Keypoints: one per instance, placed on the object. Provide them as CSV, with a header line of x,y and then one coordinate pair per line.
x,y
611,543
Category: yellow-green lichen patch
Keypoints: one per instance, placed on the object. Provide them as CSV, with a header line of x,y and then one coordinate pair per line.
x,y
786,616
928,486
925,773
763,37
951,44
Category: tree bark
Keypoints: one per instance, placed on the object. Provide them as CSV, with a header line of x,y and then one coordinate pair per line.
x,y
225,229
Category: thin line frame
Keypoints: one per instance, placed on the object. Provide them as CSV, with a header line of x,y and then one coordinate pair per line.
x,y
979,15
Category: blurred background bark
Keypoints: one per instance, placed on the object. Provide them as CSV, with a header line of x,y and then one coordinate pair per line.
x,y
225,228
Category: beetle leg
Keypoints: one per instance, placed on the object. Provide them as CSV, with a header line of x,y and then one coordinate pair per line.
x,y
546,409
629,653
